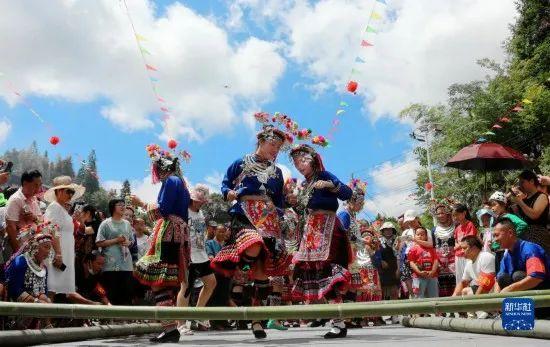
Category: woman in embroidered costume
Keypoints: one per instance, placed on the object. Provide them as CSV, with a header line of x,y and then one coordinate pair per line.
x,y
256,184
26,271
365,282
165,264
324,252
444,241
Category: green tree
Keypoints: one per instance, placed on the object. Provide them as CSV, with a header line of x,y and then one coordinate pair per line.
x,y
474,107
126,190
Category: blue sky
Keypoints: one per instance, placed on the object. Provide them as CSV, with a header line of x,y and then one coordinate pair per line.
x,y
85,78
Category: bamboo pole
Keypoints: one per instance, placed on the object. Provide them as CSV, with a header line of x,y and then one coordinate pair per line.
x,y
477,326
256,313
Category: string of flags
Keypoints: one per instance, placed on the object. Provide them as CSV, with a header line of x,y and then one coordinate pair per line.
x,y
506,118
353,85
54,140
152,71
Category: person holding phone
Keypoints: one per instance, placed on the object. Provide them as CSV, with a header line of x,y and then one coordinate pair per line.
x,y
61,272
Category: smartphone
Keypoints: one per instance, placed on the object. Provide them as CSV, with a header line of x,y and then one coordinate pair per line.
x,y
8,167
62,267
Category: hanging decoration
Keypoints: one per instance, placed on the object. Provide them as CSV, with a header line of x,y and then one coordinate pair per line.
x,y
172,144
54,140
352,85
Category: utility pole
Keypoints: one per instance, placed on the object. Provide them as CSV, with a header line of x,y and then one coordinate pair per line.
x,y
426,137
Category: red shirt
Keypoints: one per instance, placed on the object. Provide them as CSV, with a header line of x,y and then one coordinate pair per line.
x,y
423,257
462,230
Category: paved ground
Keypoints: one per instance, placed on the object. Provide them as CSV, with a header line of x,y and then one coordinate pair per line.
x,y
377,336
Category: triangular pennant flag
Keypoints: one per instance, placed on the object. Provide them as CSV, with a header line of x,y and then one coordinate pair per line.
x,y
370,30
382,1
140,38
16,93
153,79
497,126
489,133
161,99
144,51
339,112
343,104
518,108
505,120
526,101
354,71
336,122
375,16
359,60
164,109
149,67
366,43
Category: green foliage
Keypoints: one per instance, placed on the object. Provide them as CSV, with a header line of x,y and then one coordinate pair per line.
x,y
126,190
217,209
474,107
31,159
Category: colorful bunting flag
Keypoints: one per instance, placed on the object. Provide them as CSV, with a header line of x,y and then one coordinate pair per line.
x,y
336,122
164,109
339,112
161,99
526,101
505,120
370,30
153,79
366,43
144,51
354,71
343,104
149,67
489,133
375,16
518,108
497,126
359,60
140,38
382,1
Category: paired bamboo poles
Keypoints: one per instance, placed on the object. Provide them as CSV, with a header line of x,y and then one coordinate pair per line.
x,y
487,302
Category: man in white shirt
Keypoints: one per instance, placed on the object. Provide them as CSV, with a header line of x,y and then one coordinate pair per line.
x,y
479,274
23,207
200,263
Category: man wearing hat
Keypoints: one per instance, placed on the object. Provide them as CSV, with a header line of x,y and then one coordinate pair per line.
x,y
200,263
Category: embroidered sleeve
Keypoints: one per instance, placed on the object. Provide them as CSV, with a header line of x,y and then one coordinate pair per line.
x,y
486,280
535,267
231,175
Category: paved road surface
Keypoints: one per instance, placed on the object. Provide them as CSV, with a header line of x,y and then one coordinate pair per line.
x,y
373,336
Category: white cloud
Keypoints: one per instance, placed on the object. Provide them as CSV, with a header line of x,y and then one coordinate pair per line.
x,y
428,45
85,51
5,128
112,185
394,183
214,181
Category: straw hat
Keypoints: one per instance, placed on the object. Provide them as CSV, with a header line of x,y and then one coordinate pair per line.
x,y
64,182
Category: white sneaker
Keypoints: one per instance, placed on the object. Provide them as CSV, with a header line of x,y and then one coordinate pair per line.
x,y
482,315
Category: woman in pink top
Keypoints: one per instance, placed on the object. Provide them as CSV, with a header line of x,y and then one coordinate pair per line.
x,y
464,227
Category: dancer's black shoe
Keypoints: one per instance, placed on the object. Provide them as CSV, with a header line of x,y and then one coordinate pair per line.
x,y
258,330
171,335
340,333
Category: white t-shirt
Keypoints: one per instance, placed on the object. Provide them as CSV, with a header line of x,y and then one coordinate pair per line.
x,y
197,237
485,263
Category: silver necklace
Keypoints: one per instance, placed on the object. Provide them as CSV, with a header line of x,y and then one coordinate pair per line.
x,y
262,170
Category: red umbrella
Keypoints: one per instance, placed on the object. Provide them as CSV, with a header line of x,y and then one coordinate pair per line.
x,y
488,156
